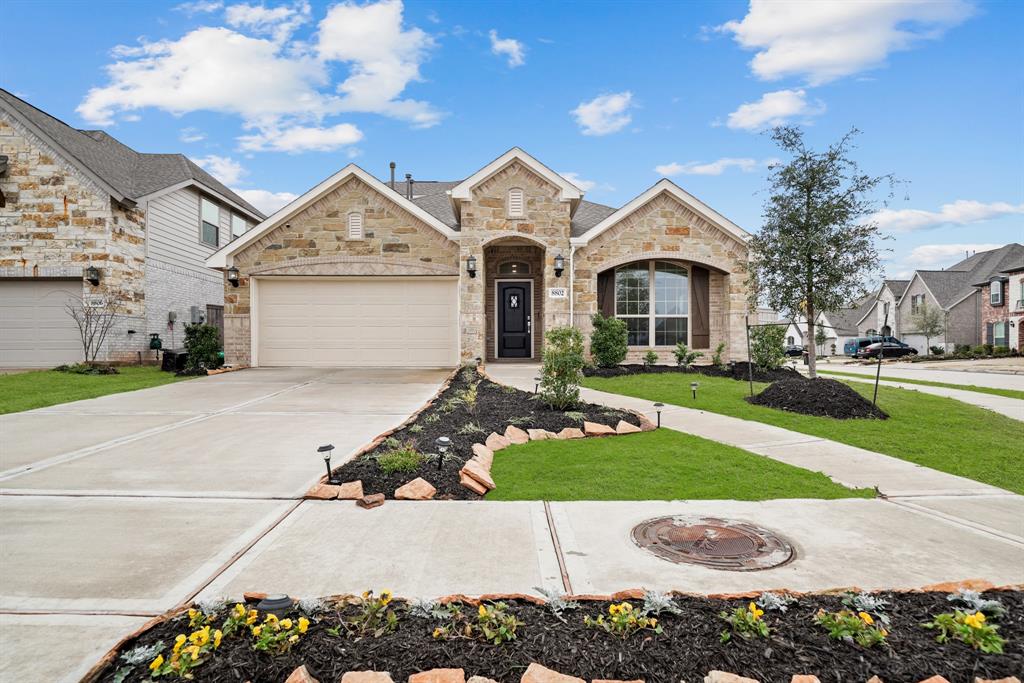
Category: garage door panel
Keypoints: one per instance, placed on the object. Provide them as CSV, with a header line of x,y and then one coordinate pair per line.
x,y
35,328
344,323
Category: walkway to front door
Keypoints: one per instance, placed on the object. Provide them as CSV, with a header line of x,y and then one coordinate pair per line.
x,y
515,318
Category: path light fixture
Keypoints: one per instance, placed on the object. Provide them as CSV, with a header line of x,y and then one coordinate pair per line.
x,y
277,604
471,266
325,451
233,276
693,388
658,407
536,384
443,443
559,265
92,275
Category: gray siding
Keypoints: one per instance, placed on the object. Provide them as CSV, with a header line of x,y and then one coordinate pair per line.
x,y
963,325
173,230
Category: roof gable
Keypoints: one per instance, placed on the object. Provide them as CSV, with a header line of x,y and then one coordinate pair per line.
x,y
568,191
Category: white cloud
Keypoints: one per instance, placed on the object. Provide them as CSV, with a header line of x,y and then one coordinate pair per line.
x,y
199,7
828,39
191,134
774,109
266,201
937,256
574,178
279,22
960,212
511,48
301,139
224,169
718,167
604,114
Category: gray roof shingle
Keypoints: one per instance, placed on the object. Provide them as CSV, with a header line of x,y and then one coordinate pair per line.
x,y
898,287
951,285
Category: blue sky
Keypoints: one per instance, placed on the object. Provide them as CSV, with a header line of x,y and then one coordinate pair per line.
x,y
274,97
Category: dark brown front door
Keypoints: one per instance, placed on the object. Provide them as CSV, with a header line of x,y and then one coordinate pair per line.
x,y
515,323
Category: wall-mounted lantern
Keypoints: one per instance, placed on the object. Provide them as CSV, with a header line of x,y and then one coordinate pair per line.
x,y
559,265
471,266
233,276
92,275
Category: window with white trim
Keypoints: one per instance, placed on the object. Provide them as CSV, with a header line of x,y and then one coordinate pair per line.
x,y
995,290
355,226
916,302
516,203
999,335
238,225
209,224
653,299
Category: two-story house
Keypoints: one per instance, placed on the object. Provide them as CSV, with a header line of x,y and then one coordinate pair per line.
x,y
86,220
1002,308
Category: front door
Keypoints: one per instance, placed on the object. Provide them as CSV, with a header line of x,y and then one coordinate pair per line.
x,y
515,323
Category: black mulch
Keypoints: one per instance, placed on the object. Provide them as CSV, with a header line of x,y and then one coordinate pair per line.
x,y
822,397
686,651
496,407
737,371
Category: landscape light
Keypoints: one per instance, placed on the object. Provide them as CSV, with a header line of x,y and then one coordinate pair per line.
x,y
693,388
536,384
325,450
277,604
658,407
443,443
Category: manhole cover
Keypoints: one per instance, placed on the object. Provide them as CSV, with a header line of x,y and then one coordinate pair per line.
x,y
712,542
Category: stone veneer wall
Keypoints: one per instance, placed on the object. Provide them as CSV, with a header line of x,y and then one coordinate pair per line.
x,y
497,254
666,229
57,222
315,242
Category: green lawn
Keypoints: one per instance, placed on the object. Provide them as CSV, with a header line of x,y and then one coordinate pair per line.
x,y
659,465
41,388
937,432
1008,393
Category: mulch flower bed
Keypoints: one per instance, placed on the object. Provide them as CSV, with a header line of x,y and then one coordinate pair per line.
x,y
466,420
821,397
688,646
738,371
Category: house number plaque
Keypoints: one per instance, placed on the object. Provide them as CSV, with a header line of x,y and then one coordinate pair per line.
x,y
558,292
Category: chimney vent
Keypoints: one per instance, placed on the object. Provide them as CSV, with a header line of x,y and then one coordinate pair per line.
x,y
408,185
392,165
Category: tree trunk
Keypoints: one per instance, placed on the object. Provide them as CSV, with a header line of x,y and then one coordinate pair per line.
x,y
812,364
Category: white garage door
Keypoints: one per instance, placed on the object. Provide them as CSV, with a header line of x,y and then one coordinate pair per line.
x,y
372,322
35,328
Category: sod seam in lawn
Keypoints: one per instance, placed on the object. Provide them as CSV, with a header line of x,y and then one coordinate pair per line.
x,y
1007,393
658,465
934,431
42,388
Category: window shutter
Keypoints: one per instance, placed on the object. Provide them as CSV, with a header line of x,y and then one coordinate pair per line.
x,y
701,295
355,226
515,202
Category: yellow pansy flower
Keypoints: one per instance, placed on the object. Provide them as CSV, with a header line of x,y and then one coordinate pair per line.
x,y
256,630
239,610
303,624
385,596
192,613
179,640
652,622
156,663
193,652
217,635
438,632
866,618
294,638
271,619
975,620
366,595
286,624
755,610
253,616
482,611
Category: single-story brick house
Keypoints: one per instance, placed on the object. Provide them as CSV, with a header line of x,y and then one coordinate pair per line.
x,y
359,272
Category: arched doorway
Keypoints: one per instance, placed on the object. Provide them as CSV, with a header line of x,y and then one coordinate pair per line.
x,y
513,296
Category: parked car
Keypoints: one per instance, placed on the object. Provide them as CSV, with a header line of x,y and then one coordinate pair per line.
x,y
888,349
853,346
794,350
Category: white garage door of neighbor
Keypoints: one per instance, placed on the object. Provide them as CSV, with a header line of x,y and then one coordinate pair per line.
x,y
35,328
374,322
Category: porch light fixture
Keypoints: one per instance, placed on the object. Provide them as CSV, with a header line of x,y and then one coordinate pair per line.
x,y
559,265
277,604
658,407
443,443
471,266
92,275
233,276
693,388
325,451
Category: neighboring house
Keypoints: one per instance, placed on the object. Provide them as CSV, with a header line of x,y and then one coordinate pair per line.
x,y
1002,308
873,319
954,292
73,199
356,272
840,326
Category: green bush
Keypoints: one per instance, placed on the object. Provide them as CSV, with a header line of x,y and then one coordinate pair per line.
x,y
202,342
716,358
1001,351
684,356
404,459
979,350
937,350
650,359
987,349
608,341
562,370
961,349
766,349
87,369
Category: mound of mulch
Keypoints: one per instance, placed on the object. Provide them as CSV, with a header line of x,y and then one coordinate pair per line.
x,y
687,650
737,371
88,369
820,397
496,407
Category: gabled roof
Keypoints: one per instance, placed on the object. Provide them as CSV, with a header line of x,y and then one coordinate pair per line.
x,y
897,287
663,185
222,258
954,284
128,176
569,192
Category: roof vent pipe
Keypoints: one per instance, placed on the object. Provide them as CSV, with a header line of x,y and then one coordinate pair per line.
x,y
392,165
408,185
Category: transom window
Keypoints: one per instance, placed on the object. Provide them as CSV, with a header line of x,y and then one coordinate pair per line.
x,y
210,221
516,203
355,226
653,298
514,268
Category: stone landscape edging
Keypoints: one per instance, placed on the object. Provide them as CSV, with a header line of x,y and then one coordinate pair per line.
x,y
110,657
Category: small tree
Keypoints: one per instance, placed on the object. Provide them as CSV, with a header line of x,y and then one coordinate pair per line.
x,y
684,356
95,317
608,341
766,349
203,345
816,248
716,358
562,370
929,321
820,338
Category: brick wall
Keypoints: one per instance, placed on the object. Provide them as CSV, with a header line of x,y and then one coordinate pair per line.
x,y
996,314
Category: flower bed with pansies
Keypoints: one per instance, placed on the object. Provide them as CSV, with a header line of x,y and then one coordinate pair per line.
x,y
636,635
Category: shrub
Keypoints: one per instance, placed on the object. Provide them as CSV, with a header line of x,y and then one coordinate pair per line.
x,y
716,357
562,370
650,359
972,629
608,341
373,616
846,625
937,350
766,349
405,459
203,345
1001,351
979,350
684,356
494,624
961,349
87,369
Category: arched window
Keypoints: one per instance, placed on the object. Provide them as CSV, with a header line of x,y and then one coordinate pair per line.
x,y
872,332
355,226
886,331
653,298
516,203
514,268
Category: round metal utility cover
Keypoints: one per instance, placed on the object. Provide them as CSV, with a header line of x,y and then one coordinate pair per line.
x,y
712,542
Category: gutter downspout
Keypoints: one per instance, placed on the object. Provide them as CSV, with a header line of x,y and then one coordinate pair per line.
x,y
572,281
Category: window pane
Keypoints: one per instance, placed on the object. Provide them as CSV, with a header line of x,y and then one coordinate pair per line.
x,y
238,225
632,290
671,290
639,331
209,233
211,213
669,331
